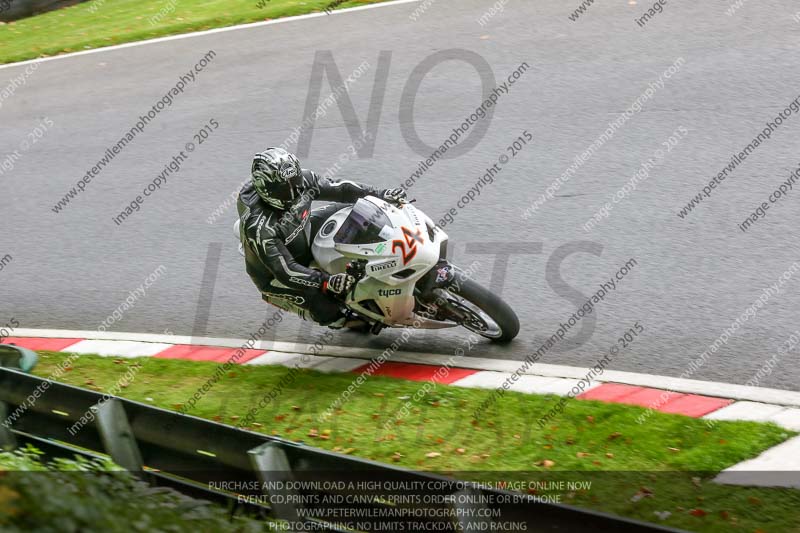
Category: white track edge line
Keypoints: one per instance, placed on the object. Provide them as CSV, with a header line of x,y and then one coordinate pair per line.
x,y
691,386
209,32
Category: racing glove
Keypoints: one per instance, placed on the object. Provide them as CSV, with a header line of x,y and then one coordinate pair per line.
x,y
396,196
339,284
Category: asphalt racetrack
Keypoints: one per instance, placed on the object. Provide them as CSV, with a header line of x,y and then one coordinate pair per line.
x,y
692,277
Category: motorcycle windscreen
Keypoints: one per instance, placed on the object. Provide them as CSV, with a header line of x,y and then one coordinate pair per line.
x,y
366,224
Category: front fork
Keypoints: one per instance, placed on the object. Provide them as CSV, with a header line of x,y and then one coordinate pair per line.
x,y
431,293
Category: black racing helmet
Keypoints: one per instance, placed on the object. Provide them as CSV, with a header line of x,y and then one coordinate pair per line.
x,y
276,177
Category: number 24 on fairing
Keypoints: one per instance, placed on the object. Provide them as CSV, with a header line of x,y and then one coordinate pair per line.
x,y
409,247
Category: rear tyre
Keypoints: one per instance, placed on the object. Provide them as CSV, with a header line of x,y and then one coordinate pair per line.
x,y
482,311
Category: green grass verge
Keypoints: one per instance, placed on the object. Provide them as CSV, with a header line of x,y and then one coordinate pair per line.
x,y
662,466
108,22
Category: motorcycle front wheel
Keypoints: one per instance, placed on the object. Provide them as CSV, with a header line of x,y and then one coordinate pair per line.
x,y
480,310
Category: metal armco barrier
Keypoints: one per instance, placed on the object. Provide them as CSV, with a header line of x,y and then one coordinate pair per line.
x,y
308,487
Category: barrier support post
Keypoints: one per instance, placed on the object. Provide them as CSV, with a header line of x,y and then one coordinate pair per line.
x,y
273,470
7,438
117,435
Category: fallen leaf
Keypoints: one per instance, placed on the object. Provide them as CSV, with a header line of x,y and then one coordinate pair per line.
x,y
644,492
662,515
461,451
582,454
610,455
547,463
675,450
697,512
431,455
296,407
614,435
753,500
590,419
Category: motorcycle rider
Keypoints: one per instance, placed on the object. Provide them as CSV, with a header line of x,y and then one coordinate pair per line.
x,y
274,210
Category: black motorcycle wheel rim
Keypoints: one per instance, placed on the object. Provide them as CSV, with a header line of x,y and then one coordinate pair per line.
x,y
474,318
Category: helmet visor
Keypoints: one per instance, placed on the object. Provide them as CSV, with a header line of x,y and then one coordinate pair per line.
x,y
282,191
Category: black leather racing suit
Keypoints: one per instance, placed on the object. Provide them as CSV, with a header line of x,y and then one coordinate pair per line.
x,y
277,249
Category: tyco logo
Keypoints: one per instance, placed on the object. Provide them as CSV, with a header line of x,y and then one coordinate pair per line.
x,y
409,246
389,292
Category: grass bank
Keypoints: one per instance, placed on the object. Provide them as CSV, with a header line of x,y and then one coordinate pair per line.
x,y
658,471
82,495
102,23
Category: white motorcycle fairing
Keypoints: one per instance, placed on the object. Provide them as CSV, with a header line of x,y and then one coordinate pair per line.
x,y
398,246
